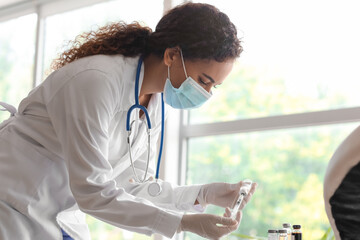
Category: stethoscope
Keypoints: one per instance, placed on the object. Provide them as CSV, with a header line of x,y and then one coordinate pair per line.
x,y
154,188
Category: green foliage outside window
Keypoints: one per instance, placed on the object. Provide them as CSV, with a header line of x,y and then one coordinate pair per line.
x,y
288,164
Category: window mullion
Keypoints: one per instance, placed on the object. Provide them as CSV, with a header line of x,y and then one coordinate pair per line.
x,y
39,48
273,122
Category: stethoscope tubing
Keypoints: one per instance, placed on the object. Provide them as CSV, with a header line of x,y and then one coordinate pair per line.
x,y
161,137
128,125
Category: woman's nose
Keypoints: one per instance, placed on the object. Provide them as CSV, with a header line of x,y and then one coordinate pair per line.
x,y
208,88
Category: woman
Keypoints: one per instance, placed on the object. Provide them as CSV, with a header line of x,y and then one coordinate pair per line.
x,y
342,188
66,148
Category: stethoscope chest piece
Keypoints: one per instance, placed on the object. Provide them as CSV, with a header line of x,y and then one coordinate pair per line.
x,y
154,189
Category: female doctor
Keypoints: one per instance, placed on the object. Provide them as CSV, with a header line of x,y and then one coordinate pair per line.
x,y
65,152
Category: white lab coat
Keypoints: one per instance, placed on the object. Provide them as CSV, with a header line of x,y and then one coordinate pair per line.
x,y
66,150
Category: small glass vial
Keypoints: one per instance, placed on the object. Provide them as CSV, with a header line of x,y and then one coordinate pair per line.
x,y
296,233
272,234
287,226
283,234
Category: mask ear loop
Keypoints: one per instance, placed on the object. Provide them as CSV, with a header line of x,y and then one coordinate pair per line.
x,y
183,63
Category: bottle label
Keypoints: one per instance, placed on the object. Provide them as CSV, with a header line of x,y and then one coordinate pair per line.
x,y
296,236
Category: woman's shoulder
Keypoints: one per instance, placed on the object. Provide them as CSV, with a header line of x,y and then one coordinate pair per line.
x,y
105,63
114,71
113,66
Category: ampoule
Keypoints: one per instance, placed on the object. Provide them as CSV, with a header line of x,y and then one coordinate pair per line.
x,y
272,234
287,226
296,233
283,234
244,190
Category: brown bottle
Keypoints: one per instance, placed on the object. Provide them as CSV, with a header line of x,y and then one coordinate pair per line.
x,y
296,233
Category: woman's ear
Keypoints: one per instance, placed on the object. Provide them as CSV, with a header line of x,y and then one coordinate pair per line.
x,y
170,55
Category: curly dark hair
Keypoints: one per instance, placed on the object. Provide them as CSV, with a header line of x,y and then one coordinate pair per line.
x,y
200,30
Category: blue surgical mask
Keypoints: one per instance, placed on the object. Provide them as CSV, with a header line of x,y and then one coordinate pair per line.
x,y
189,95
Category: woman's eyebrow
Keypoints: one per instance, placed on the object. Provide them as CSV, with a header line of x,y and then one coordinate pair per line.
x,y
208,77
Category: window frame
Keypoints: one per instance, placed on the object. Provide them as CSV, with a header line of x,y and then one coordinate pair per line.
x,y
298,120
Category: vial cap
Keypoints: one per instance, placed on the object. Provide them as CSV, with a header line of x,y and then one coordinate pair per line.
x,y
296,226
272,231
282,231
286,225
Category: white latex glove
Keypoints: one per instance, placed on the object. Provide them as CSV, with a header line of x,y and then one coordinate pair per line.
x,y
210,226
223,194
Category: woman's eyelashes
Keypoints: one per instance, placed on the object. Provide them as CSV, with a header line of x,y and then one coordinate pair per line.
x,y
202,82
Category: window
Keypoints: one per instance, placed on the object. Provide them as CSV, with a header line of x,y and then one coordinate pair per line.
x,y
288,165
17,48
269,120
64,27
298,56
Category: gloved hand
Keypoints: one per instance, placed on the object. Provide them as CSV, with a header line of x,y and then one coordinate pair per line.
x,y
210,226
223,194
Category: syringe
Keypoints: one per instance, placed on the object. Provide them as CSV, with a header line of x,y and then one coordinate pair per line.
x,y
244,190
